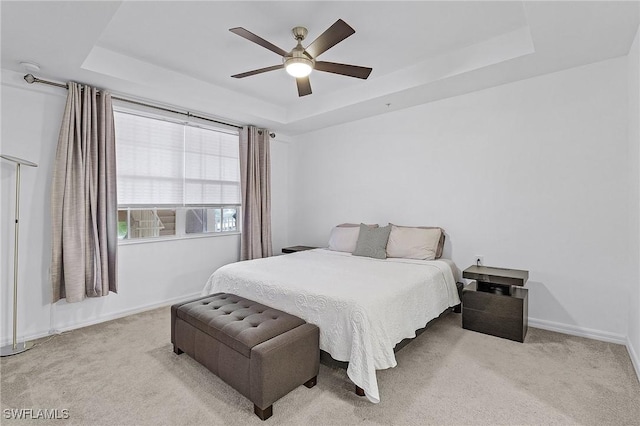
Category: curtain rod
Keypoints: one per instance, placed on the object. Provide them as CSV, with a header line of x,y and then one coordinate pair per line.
x,y
29,78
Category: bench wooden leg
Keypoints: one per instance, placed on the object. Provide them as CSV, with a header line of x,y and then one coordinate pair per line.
x,y
264,414
311,382
177,350
359,391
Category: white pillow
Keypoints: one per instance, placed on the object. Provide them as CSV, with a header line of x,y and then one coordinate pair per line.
x,y
413,243
344,238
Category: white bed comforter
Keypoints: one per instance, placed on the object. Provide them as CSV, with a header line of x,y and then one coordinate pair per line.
x,y
363,306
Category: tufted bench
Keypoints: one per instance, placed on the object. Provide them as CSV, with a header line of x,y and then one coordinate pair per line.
x,y
261,352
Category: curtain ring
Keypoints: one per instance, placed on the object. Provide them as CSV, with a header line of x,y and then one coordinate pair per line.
x,y
271,134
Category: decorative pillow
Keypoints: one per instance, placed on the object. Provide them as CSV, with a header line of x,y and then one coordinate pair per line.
x,y
414,243
372,242
356,225
344,238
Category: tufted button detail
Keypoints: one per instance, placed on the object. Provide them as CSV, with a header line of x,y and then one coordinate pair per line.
x,y
225,317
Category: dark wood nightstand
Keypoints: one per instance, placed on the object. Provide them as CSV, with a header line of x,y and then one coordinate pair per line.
x,y
294,249
496,303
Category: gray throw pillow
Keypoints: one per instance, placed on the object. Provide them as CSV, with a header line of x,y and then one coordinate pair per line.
x,y
372,242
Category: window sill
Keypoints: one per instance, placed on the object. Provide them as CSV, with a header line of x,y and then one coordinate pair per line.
x,y
175,238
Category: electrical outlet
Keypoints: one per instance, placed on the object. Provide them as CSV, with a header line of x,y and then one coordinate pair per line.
x,y
479,261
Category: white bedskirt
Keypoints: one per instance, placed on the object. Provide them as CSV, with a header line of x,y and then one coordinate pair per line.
x,y
363,306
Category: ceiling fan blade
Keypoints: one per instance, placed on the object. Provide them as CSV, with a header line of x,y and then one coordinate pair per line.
x,y
258,40
304,86
344,69
332,36
258,71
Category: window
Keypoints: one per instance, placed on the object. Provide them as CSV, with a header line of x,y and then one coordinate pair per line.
x,y
175,178
211,220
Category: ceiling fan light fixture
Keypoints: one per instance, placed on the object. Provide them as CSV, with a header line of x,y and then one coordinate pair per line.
x,y
298,66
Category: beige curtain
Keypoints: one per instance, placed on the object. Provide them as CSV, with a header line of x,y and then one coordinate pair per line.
x,y
83,199
255,176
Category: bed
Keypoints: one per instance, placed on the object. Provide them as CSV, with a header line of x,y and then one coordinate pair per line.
x,y
363,306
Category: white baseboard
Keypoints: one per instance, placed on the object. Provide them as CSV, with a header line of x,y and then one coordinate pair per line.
x,y
635,359
127,312
28,337
104,318
579,331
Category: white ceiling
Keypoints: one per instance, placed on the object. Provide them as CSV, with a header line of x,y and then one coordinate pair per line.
x,y
182,53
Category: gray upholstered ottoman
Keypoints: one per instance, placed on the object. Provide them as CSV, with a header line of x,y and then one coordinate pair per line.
x,y
262,352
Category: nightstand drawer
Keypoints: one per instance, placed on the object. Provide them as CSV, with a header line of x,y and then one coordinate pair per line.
x,y
495,325
507,306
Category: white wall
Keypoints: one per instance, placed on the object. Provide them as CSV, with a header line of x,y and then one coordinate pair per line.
x,y
279,192
634,197
149,274
532,175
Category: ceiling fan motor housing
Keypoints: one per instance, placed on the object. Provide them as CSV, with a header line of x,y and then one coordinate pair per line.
x,y
297,62
298,53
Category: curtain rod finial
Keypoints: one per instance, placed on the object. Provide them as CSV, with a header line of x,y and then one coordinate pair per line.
x,y
29,78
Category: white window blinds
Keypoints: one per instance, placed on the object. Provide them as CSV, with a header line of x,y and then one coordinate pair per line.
x,y
212,167
164,163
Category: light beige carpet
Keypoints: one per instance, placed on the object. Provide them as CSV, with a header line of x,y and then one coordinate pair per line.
x,y
124,372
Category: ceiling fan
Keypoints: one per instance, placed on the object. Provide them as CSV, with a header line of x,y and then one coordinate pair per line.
x,y
300,61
